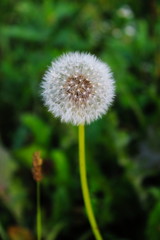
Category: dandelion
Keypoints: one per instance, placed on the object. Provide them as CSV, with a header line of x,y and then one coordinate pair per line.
x,y
130,30
79,89
125,12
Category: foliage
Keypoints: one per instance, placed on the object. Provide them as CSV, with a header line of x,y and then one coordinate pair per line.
x,y
123,152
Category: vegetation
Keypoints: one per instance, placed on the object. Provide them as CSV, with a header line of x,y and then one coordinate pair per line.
x,y
123,148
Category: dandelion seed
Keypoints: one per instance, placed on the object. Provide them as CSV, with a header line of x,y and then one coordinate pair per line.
x,y
77,101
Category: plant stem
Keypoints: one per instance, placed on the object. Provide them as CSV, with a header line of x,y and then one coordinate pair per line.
x,y
2,233
38,212
84,185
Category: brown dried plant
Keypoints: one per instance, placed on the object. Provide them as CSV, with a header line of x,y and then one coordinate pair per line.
x,y
37,167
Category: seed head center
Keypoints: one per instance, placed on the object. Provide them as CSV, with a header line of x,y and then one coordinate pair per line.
x,y
78,88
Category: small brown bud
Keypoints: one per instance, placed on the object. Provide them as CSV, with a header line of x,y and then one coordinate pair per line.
x,y
37,167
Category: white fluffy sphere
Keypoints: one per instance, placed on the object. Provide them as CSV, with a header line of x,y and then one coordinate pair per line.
x,y
78,88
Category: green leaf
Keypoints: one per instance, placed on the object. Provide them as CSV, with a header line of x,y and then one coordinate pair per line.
x,y
39,129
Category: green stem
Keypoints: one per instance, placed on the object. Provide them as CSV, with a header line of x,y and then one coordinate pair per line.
x,y
2,233
38,212
85,190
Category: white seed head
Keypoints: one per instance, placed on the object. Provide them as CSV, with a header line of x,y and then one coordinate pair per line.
x,y
78,88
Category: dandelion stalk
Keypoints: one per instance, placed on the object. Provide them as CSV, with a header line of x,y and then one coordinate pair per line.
x,y
85,190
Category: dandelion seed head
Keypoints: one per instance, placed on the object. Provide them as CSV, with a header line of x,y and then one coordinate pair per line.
x,y
78,88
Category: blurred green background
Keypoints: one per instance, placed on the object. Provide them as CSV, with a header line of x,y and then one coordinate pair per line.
x,y
123,148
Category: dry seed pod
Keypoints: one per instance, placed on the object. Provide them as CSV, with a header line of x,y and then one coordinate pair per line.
x,y
37,167
78,88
